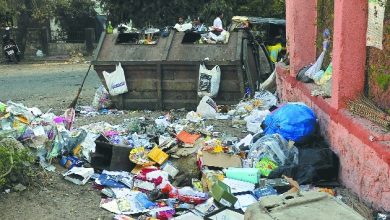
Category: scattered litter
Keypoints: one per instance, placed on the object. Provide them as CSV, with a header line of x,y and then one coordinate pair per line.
x,y
222,194
151,166
221,160
19,187
207,108
79,175
226,214
250,175
243,201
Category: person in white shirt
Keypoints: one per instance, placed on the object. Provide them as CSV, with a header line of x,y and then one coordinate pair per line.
x,y
181,26
217,24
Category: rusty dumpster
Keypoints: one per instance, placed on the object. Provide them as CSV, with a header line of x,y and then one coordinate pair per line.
x,y
165,75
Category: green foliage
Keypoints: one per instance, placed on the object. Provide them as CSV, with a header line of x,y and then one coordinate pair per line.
x,y
325,13
161,13
381,75
15,161
383,80
75,15
263,8
157,12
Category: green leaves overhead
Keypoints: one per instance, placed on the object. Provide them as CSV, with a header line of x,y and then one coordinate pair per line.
x,y
162,12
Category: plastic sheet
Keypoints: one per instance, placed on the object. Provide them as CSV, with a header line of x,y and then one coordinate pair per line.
x,y
275,148
316,163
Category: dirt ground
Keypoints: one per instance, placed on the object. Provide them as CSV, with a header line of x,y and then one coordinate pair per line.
x,y
53,86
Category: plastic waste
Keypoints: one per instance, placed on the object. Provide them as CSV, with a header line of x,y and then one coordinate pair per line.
x,y
143,200
250,175
109,29
207,108
70,162
326,76
255,119
193,117
301,75
264,191
273,147
209,81
162,122
316,163
116,81
79,175
39,53
294,121
101,99
88,145
264,99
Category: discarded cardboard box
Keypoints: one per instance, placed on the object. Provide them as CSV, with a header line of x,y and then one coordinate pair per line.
x,y
226,214
222,194
79,175
187,138
157,155
306,205
209,178
221,160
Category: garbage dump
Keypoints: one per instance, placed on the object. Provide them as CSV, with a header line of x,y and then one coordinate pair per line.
x,y
174,74
171,167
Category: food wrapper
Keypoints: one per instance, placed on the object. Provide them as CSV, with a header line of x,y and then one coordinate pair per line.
x,y
266,166
139,156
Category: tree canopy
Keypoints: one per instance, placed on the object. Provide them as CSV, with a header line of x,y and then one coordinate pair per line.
x,y
162,12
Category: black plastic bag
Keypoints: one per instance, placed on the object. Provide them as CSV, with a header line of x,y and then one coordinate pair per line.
x,y
315,165
301,75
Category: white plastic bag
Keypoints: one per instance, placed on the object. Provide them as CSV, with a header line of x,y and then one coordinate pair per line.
x,y
193,117
208,84
207,108
116,81
316,67
254,120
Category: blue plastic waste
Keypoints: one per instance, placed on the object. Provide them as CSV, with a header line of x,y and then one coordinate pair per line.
x,y
144,200
264,191
294,121
110,181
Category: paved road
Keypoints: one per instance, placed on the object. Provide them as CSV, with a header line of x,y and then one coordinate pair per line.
x,y
46,85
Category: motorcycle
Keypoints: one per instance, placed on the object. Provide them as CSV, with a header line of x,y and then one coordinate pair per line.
x,y
10,48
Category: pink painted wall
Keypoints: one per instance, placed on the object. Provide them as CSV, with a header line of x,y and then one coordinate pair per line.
x,y
349,50
301,28
364,165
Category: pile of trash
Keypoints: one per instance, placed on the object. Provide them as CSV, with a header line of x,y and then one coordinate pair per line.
x,y
76,57
168,167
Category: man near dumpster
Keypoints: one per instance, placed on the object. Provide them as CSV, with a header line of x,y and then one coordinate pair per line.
x,y
180,20
181,26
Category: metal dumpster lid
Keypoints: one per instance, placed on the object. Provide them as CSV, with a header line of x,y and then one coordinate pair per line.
x,y
168,49
260,20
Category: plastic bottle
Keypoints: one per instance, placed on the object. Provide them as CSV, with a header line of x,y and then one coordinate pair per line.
x,y
109,29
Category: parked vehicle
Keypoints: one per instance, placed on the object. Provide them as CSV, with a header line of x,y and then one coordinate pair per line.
x,y
10,48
